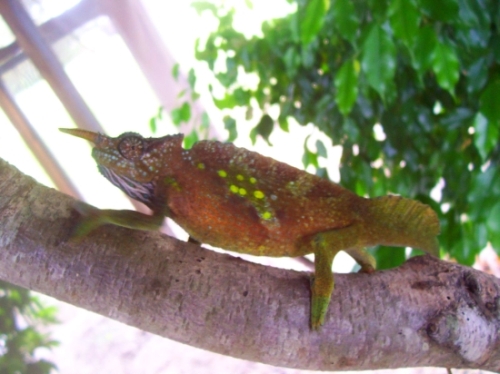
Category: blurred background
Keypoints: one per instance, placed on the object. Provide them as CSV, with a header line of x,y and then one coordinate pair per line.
x,y
163,67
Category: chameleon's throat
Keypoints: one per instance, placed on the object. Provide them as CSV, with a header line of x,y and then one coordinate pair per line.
x,y
142,192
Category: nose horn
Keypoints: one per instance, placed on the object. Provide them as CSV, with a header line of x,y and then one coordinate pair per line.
x,y
88,135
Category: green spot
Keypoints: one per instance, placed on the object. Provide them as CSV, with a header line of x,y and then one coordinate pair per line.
x,y
242,191
222,173
267,215
233,188
253,180
240,177
259,194
172,182
201,166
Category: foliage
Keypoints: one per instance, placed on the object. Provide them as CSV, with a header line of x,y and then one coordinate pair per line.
x,y
427,73
20,313
182,114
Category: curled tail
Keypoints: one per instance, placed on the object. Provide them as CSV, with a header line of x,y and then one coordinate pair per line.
x,y
405,222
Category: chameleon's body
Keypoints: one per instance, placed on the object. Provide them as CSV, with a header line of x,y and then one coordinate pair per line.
x,y
239,200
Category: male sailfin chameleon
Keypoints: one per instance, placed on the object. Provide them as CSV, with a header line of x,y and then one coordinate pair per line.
x,y
241,201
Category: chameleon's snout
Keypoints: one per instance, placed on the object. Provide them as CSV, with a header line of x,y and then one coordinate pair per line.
x,y
88,135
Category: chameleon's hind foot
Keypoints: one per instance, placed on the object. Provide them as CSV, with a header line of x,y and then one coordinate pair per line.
x,y
363,258
319,307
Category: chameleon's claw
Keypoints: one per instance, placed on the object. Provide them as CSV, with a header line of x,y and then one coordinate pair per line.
x,y
367,269
319,307
319,304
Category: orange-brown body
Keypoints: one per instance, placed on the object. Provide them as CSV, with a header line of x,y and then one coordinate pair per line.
x,y
242,201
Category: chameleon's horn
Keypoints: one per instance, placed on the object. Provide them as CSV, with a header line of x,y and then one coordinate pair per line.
x,y
88,135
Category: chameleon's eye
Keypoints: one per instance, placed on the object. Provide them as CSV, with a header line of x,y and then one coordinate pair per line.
x,y
131,147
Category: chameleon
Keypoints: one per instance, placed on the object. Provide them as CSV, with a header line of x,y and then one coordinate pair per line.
x,y
242,201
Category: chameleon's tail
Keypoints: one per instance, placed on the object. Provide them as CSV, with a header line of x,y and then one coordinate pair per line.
x,y
405,222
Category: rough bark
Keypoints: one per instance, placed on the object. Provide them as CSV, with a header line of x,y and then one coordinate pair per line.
x,y
424,313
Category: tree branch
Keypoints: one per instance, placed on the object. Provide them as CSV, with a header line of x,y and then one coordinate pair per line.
x,y
424,313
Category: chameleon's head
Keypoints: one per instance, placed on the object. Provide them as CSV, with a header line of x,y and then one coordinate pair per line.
x,y
130,161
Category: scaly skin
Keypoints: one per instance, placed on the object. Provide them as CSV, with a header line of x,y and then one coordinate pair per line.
x,y
241,201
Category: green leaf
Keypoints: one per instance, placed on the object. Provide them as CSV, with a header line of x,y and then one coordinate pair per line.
x,y
230,75
181,114
294,27
230,126
495,46
493,225
205,121
442,10
185,112
308,55
292,61
176,116
309,158
346,83
388,257
181,93
473,14
404,18
242,97
345,19
484,193
313,20
201,6
446,66
228,102
191,78
175,71
190,139
379,60
468,244
264,128
321,149
485,135
423,49
489,104
152,125
283,122
378,10
477,75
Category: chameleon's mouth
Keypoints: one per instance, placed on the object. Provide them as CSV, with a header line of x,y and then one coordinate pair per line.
x,y
142,192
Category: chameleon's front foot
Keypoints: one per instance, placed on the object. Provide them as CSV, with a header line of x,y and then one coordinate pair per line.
x,y
92,218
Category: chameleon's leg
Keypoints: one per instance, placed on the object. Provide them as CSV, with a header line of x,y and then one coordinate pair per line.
x,y
92,218
322,284
363,258
326,245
